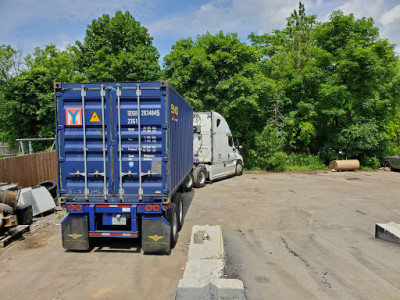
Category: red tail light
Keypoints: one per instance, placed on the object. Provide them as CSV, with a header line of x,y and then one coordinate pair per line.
x,y
78,207
148,207
156,207
71,207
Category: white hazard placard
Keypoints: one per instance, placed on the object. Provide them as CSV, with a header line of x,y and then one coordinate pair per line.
x,y
73,116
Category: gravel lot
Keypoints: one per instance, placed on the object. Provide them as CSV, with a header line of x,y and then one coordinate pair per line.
x,y
287,236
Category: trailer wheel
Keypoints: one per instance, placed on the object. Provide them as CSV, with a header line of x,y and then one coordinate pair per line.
x,y
7,209
177,200
188,183
179,206
172,215
239,168
388,165
199,177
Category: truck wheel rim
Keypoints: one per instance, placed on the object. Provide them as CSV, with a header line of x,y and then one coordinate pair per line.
x,y
239,168
174,226
189,181
202,178
181,212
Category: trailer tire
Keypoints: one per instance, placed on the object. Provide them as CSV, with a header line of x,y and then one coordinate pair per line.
x,y
7,209
188,183
177,199
239,168
199,177
172,216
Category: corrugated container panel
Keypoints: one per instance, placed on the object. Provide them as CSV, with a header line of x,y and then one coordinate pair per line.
x,y
105,118
180,138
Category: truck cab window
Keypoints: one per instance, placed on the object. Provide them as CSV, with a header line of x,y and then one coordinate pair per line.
x,y
230,141
218,122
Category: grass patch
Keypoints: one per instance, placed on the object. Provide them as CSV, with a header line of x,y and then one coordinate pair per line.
x,y
362,168
305,168
41,227
60,216
304,162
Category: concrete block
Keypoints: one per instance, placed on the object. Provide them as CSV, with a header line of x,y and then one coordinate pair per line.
x,y
228,289
212,289
206,242
203,277
388,232
203,268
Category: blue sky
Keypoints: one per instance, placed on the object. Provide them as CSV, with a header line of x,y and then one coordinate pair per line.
x,y
26,24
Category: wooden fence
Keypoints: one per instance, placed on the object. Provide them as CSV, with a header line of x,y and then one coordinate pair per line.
x,y
29,170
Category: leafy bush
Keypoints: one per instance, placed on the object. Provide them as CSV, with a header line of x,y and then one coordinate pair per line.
x,y
370,163
267,153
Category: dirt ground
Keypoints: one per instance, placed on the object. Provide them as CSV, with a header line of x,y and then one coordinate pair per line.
x,y
306,235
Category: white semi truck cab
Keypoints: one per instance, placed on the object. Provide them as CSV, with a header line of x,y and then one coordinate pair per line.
x,y
215,155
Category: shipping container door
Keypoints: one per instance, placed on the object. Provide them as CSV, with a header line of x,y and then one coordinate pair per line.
x,y
84,131
140,132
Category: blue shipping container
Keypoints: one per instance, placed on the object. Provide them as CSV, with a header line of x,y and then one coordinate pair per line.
x,y
120,145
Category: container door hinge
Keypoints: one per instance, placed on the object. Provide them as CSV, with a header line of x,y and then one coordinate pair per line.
x,y
165,192
165,159
164,126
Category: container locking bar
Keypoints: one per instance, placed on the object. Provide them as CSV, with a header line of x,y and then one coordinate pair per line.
x,y
121,174
77,173
103,94
97,173
128,174
86,190
138,94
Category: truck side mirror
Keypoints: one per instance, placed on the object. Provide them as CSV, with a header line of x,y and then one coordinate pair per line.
x,y
237,145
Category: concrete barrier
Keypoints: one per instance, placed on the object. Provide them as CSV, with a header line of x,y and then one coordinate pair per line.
x,y
388,232
203,276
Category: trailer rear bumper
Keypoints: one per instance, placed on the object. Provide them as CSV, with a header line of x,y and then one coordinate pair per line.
x,y
86,221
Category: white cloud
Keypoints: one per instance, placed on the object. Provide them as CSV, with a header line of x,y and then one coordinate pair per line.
x,y
363,8
388,20
391,16
231,16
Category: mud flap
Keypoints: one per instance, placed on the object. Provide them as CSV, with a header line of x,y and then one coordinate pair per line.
x,y
75,233
156,236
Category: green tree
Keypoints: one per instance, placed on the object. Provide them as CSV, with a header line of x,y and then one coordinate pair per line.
x,y
337,82
285,56
27,109
221,73
359,92
117,49
9,63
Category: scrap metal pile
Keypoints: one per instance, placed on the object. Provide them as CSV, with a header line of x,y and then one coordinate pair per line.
x,y
18,206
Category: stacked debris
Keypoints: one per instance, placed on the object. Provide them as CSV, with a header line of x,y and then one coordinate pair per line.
x,y
19,206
